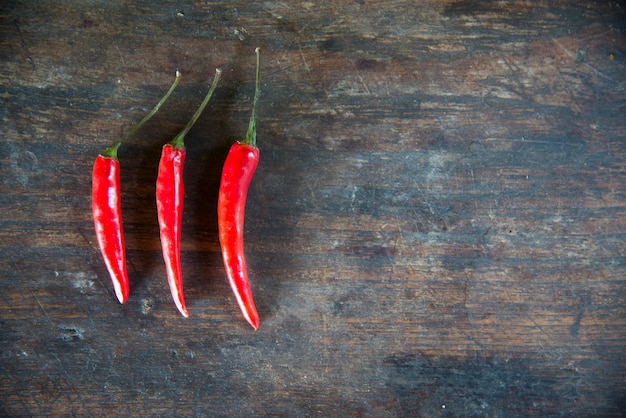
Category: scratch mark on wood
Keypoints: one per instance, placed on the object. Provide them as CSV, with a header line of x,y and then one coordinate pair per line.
x,y
358,74
480,345
103,283
540,328
29,58
41,306
306,65
576,58
533,141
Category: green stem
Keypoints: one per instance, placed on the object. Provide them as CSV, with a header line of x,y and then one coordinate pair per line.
x,y
179,140
111,152
250,138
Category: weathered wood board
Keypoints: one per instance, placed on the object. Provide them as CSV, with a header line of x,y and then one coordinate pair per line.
x,y
437,226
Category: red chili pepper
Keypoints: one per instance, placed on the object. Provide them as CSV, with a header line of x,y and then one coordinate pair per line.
x,y
106,206
169,199
239,167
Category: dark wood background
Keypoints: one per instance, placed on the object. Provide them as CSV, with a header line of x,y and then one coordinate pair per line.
x,y
436,228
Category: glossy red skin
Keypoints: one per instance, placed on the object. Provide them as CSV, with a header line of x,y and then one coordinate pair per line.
x,y
169,198
237,173
107,217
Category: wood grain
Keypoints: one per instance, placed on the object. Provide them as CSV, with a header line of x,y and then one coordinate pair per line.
x,y
436,228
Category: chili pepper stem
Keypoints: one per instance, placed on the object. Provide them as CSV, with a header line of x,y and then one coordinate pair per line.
x,y
250,138
179,140
111,151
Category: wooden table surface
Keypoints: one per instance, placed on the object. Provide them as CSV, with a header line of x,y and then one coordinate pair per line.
x,y
436,228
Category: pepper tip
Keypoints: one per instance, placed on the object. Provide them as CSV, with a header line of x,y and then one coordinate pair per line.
x,y
182,308
122,298
254,322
